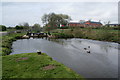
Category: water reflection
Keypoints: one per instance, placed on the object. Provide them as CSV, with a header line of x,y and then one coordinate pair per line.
x,y
104,48
57,41
102,62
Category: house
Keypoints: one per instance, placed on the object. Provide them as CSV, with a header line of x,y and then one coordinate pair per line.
x,y
78,24
74,24
85,24
93,24
112,25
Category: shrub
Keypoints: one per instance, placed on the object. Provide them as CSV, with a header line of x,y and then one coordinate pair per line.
x,y
18,27
104,35
5,51
78,33
7,42
2,28
63,35
65,27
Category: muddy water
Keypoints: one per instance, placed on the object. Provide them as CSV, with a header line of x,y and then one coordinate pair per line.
x,y
101,62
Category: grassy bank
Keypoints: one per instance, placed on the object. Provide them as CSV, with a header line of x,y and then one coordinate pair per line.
x,y
7,42
32,65
88,33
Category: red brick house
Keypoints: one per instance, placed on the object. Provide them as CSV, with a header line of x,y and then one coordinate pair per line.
x,y
93,24
76,24
85,24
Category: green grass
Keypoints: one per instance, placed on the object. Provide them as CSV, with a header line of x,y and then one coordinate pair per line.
x,y
7,42
33,67
9,30
15,66
63,35
88,33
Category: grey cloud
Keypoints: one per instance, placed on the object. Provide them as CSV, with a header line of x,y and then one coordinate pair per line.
x,y
15,13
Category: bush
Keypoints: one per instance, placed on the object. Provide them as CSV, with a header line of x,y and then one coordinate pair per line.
x,y
63,35
104,35
78,33
2,28
7,42
116,28
5,51
18,27
65,27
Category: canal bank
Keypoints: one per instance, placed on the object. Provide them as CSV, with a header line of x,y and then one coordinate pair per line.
x,y
88,65
72,53
6,42
31,65
3,33
103,34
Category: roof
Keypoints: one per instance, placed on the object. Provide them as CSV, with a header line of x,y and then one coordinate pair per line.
x,y
76,22
112,24
94,22
85,22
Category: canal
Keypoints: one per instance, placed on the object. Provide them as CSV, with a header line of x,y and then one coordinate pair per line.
x,y
101,62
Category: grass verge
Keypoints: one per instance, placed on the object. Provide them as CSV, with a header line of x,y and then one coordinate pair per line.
x,y
32,65
88,33
6,42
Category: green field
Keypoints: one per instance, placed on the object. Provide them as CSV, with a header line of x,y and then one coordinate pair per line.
x,y
32,65
88,33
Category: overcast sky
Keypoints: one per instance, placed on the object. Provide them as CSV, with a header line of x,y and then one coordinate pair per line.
x,y
14,13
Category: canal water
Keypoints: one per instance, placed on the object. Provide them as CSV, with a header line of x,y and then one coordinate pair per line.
x,y
101,62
